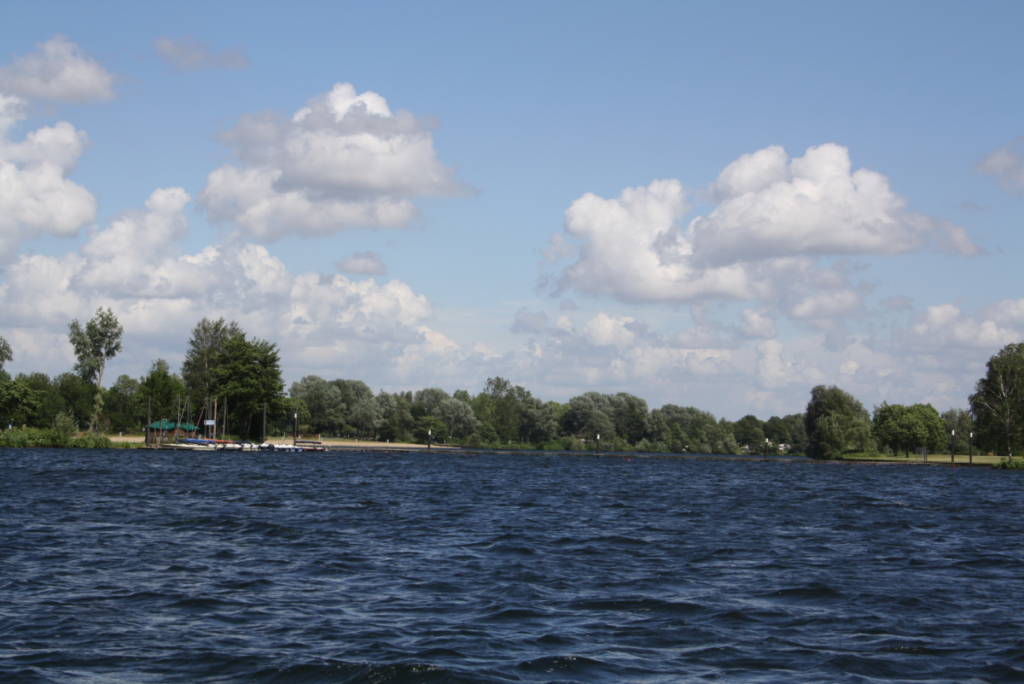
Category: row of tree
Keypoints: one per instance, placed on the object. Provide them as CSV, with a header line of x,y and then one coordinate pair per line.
x,y
837,423
224,369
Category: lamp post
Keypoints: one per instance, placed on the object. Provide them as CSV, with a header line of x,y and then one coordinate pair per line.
x,y
599,442
766,448
952,446
971,457
429,433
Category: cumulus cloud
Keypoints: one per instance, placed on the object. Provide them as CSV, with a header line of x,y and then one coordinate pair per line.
x,y
58,70
772,206
1006,164
135,267
775,218
189,54
945,327
363,263
608,330
345,160
36,196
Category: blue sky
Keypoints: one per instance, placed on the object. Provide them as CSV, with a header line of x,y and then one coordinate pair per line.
x,y
718,205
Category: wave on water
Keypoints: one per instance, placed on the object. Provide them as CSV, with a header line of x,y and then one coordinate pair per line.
x,y
277,568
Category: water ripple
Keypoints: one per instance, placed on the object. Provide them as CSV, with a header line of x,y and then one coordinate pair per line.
x,y
121,566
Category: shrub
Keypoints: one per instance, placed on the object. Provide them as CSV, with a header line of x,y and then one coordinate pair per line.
x,y
1011,464
63,429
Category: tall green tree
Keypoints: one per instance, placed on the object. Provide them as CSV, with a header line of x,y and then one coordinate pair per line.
x,y
998,400
203,356
166,390
505,407
18,401
847,422
248,375
94,345
5,355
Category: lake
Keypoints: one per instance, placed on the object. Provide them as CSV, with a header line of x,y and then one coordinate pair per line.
x,y
134,566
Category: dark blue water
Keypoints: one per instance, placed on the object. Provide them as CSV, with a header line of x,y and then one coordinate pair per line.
x,y
125,566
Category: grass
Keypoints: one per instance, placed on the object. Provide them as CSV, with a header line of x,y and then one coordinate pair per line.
x,y
961,459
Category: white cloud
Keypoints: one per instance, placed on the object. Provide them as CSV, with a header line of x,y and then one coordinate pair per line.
x,y
36,196
774,371
944,327
363,263
188,54
827,305
58,70
756,324
774,220
1007,165
134,267
344,160
812,205
607,330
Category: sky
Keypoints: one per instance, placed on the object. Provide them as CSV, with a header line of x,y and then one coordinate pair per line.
x,y
717,205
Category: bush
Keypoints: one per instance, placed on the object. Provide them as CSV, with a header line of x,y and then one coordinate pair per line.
x,y
1011,464
56,436
91,441
64,427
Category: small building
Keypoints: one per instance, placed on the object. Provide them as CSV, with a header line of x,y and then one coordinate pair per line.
x,y
169,431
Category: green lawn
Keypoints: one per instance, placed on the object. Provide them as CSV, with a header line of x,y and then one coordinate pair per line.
x,y
932,458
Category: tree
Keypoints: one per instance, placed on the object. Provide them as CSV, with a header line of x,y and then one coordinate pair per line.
x,y
899,428
960,422
630,415
71,394
847,418
599,423
166,390
203,356
430,398
777,431
366,415
249,375
539,421
797,427
749,432
122,402
936,437
998,400
17,401
505,407
98,342
5,355
327,411
457,416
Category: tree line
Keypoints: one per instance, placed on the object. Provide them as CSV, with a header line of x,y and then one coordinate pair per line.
x,y
230,377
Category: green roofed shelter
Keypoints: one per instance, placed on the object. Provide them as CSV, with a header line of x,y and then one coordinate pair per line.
x,y
169,425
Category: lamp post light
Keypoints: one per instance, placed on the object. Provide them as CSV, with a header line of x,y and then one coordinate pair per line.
x,y
952,446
